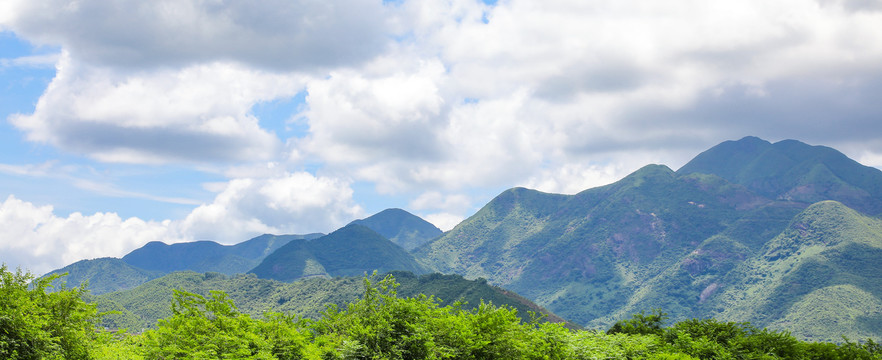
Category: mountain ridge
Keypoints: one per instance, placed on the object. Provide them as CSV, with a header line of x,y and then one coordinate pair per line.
x,y
349,251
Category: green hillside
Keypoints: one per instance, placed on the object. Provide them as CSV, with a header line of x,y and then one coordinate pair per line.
x,y
350,251
140,307
794,171
820,277
401,227
585,255
104,275
678,240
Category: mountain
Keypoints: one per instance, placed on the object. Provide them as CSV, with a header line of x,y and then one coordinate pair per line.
x,y
140,307
104,275
672,240
584,255
792,170
156,259
350,251
821,275
204,256
401,227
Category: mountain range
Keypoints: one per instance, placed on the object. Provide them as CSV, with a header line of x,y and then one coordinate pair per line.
x,y
785,235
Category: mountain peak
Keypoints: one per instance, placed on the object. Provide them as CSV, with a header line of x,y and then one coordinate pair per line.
x,y
349,251
791,170
401,227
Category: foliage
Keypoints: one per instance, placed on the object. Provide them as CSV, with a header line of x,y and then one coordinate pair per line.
x,y
206,328
38,324
640,324
380,325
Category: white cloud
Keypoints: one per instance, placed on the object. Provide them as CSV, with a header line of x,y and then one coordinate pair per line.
x,y
436,200
35,61
37,240
195,114
293,203
278,34
444,221
364,118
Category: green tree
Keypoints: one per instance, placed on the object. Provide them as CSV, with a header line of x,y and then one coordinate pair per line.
x,y
38,324
206,328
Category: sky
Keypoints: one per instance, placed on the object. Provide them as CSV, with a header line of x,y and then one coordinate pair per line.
x,y
128,121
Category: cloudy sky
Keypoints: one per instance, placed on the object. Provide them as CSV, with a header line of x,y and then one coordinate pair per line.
x,y
128,121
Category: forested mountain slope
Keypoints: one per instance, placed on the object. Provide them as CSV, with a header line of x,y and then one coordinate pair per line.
x,y
674,240
103,275
350,251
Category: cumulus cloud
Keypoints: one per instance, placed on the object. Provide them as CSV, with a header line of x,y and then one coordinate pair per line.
x,y
278,34
196,114
388,113
37,240
292,203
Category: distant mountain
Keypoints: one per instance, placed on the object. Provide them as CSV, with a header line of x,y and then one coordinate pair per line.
x,y
401,227
156,259
140,307
794,171
350,251
104,275
677,240
204,256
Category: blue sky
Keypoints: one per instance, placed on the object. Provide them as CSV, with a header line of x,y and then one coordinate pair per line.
x,y
128,122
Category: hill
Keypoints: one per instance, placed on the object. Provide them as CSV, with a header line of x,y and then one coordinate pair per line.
x,y
401,227
583,256
820,276
156,259
350,251
671,240
104,275
792,170
204,256
139,308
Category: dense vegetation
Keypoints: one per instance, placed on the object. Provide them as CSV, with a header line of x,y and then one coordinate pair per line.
x,y
381,325
141,307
